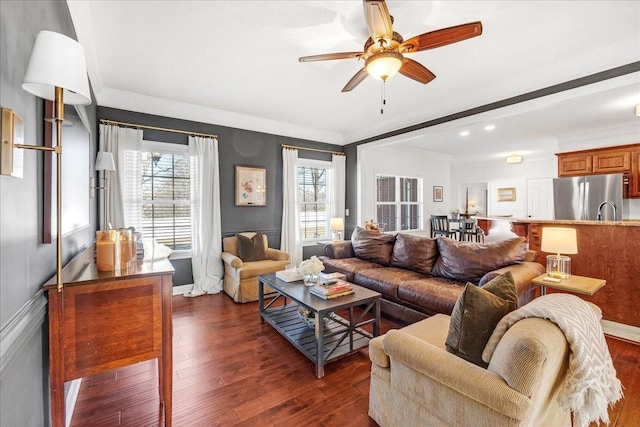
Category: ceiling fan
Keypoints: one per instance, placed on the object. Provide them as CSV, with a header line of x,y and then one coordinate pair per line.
x,y
384,50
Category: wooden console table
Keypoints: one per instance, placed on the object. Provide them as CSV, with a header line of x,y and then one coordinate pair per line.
x,y
106,320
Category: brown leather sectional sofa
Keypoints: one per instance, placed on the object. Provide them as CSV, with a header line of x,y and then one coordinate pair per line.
x,y
418,276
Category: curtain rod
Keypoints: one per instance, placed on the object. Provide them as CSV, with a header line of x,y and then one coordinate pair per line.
x,y
115,122
295,147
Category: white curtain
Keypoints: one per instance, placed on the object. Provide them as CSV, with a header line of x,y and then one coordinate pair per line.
x,y
290,241
123,195
337,186
206,229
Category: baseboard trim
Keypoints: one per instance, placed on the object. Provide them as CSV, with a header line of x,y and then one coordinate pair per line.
x,y
181,289
621,330
15,335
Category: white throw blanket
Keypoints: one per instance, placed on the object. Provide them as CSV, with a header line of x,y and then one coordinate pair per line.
x,y
591,384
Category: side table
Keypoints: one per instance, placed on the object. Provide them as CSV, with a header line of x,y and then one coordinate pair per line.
x,y
577,284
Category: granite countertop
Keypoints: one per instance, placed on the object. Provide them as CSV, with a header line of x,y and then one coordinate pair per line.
x,y
623,223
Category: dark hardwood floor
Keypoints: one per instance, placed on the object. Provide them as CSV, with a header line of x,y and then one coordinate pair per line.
x,y
230,370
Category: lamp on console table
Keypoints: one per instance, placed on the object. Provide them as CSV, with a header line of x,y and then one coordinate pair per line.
x,y
559,240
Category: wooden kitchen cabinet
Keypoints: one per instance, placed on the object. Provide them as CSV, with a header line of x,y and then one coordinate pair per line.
x,y
619,159
570,164
611,161
634,179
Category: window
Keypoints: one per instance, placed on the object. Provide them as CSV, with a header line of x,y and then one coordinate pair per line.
x,y
398,202
166,194
313,199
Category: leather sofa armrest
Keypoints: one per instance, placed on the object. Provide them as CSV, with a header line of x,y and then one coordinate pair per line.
x,y
470,381
337,250
277,254
231,259
523,274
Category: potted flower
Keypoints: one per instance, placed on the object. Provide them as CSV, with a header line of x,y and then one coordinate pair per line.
x,y
455,212
310,268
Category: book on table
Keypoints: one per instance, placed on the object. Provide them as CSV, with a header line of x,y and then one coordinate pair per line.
x,y
319,294
331,291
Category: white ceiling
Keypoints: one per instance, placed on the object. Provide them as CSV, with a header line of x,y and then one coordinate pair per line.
x,y
235,63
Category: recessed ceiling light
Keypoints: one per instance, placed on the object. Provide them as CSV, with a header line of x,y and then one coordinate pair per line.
x,y
464,133
489,127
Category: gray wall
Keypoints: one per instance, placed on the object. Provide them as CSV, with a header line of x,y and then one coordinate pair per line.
x,y
235,147
26,263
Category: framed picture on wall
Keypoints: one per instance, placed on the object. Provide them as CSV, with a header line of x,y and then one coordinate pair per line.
x,y
437,193
251,186
507,194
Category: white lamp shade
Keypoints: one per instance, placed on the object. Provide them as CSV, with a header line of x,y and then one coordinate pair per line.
x,y
104,161
559,240
337,224
57,61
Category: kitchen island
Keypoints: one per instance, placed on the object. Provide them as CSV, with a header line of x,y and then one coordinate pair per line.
x,y
608,250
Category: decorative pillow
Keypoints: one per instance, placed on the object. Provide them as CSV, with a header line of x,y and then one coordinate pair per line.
x,y
476,314
415,253
469,261
251,248
372,245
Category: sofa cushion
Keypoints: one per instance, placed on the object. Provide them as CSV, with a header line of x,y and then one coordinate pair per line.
x,y
372,245
469,261
431,294
415,253
385,280
476,314
251,248
347,266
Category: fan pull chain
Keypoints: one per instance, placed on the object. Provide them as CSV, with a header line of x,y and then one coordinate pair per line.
x,y
383,96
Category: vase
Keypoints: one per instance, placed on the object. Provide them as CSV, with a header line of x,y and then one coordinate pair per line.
x,y
310,279
454,216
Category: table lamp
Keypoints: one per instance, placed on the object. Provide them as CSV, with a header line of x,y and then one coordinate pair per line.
x,y
104,163
559,240
337,227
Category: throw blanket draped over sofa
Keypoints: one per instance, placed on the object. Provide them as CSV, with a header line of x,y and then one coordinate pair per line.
x,y
419,276
591,383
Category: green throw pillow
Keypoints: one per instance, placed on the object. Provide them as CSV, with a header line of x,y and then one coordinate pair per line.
x,y
251,249
476,314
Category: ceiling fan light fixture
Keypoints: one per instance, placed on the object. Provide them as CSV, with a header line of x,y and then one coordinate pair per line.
x,y
383,65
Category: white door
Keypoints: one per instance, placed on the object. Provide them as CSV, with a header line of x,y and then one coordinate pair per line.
x,y
540,198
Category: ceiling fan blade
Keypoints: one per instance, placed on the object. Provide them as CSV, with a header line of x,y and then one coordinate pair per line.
x,y
378,19
416,71
441,37
329,56
356,80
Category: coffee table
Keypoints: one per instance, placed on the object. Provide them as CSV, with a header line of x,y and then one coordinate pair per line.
x,y
330,339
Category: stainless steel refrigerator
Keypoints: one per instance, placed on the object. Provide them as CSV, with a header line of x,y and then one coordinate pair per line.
x,y
582,197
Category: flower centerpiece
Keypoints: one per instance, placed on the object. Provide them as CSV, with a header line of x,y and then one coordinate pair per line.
x,y
310,268
454,213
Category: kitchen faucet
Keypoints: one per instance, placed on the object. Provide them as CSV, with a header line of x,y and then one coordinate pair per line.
x,y
613,205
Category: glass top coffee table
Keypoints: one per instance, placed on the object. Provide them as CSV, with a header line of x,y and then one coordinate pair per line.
x,y
332,336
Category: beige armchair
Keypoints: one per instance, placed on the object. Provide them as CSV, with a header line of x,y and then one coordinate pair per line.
x,y
241,278
416,382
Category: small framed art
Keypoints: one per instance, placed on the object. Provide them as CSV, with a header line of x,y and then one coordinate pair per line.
x,y
437,193
251,187
507,194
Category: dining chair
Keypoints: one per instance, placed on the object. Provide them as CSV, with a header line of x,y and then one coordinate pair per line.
x,y
440,227
469,231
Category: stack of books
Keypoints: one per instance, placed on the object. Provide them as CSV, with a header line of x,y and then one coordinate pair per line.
x,y
338,289
330,278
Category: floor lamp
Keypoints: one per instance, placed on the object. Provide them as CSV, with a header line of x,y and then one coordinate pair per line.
x,y
57,71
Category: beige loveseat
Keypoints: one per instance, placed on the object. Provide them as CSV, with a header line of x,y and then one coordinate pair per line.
x,y
416,382
241,277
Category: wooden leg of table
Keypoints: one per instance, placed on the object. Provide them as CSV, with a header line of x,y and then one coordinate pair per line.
x,y
167,353
56,361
